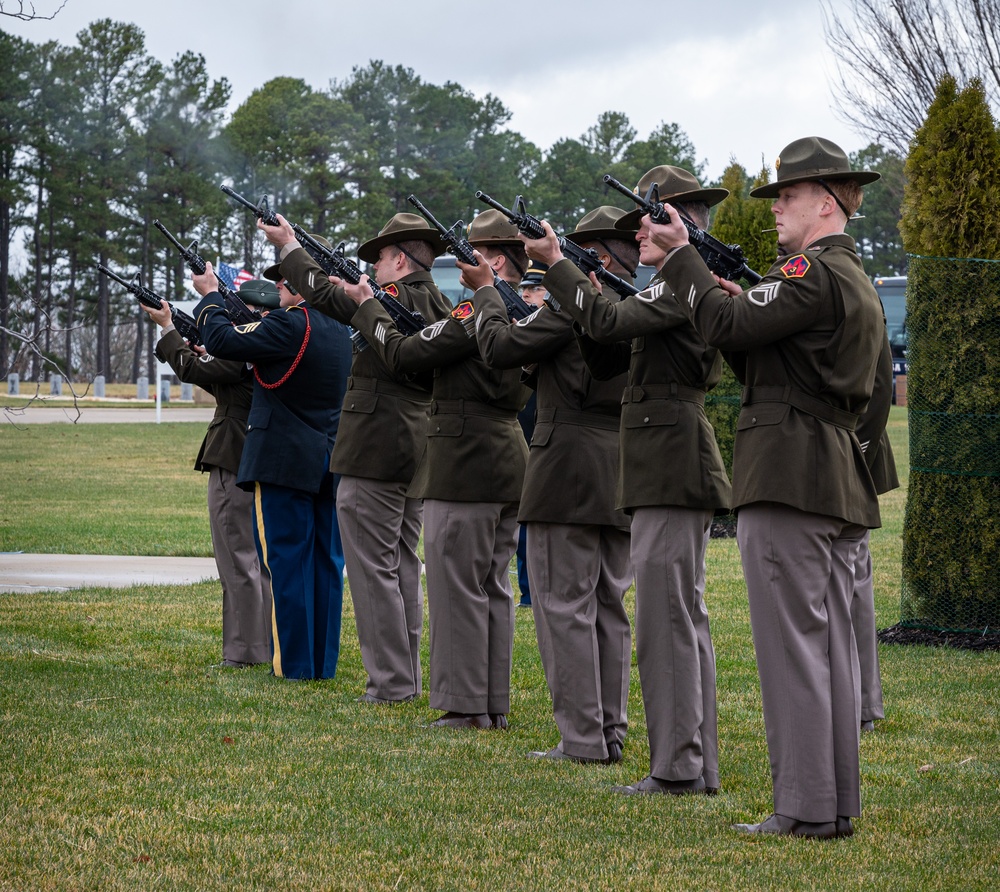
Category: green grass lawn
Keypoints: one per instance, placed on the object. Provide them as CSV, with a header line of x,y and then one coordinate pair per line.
x,y
128,764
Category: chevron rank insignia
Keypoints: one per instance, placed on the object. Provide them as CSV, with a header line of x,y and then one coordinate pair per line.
x,y
796,267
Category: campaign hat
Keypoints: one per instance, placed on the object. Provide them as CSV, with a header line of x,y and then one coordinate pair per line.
x,y
676,186
492,229
812,159
402,227
600,224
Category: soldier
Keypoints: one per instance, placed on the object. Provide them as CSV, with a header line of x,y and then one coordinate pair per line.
x,y
578,543
246,596
300,372
470,480
382,437
812,332
671,479
882,466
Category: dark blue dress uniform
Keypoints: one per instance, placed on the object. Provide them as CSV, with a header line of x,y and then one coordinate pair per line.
x,y
301,360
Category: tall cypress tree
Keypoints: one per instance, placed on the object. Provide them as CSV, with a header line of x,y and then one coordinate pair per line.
x,y
951,232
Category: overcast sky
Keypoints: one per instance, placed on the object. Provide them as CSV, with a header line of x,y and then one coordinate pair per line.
x,y
741,78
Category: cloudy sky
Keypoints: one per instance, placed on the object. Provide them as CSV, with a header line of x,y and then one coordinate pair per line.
x,y
741,79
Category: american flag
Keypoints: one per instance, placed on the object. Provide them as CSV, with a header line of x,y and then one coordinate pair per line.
x,y
233,276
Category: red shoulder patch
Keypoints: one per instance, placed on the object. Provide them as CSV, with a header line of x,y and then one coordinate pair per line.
x,y
796,267
464,310
391,289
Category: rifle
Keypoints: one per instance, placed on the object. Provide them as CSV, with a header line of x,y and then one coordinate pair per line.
x,y
585,259
726,261
239,312
261,210
186,327
516,307
334,262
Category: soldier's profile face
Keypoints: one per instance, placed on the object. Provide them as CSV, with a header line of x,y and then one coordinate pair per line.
x,y
650,254
796,215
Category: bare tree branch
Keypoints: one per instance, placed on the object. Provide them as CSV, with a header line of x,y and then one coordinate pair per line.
x,y
28,14
891,55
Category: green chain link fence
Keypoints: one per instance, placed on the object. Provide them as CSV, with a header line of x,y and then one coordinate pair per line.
x,y
951,534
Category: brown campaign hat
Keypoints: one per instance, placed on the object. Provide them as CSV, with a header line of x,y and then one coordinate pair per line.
x,y
676,186
812,158
260,293
598,224
491,229
273,272
402,227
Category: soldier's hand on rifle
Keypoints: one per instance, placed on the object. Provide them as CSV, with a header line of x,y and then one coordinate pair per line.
x,y
545,249
279,235
475,277
358,293
161,316
667,235
731,288
207,282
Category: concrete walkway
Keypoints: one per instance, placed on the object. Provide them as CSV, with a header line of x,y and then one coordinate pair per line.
x,y
26,573
100,415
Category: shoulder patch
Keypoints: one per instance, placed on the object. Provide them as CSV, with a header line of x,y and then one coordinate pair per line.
x,y
464,310
796,267
391,289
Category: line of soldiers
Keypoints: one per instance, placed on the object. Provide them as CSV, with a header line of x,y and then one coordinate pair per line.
x,y
421,432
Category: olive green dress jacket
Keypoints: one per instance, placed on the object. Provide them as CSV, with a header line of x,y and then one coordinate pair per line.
x,y
475,448
668,452
812,332
573,453
230,383
382,433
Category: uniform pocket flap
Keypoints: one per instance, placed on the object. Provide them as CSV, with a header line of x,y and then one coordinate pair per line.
x,y
762,415
259,418
542,433
362,401
650,413
446,426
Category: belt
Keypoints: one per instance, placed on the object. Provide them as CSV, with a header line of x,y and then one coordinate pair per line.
x,y
471,407
672,391
811,405
598,420
390,388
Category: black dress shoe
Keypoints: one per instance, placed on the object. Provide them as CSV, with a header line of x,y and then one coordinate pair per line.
x,y
499,721
868,725
371,698
614,753
652,784
463,720
844,827
779,825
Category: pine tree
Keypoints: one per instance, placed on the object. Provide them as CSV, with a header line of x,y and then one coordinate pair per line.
x,y
951,232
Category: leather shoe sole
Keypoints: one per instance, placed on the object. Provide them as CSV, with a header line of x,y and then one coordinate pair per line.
x,y
779,825
652,784
462,720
